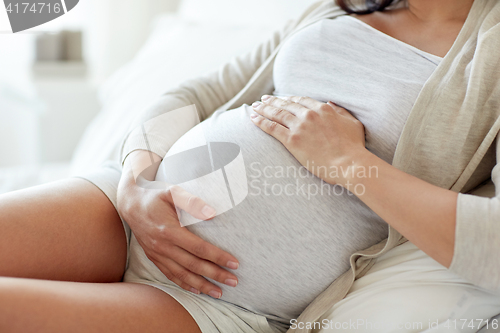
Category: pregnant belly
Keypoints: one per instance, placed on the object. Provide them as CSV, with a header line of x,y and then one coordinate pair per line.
x,y
292,233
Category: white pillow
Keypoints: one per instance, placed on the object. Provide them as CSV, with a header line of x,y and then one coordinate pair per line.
x,y
407,287
268,12
177,50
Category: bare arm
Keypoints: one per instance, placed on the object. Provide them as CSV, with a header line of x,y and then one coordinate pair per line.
x,y
424,213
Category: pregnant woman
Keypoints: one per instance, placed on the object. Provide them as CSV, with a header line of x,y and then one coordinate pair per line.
x,y
267,211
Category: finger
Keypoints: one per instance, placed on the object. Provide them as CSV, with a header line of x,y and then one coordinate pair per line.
x,y
178,282
172,277
202,267
202,249
272,128
164,268
190,203
281,116
198,282
309,103
340,110
284,103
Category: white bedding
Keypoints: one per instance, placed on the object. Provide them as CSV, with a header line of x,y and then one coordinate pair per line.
x,y
16,178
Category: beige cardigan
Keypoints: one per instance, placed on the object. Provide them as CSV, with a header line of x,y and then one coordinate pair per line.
x,y
448,140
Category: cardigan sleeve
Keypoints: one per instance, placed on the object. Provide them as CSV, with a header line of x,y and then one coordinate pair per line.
x,y
477,236
157,128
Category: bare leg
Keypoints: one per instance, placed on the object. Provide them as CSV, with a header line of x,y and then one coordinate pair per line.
x,y
52,306
67,230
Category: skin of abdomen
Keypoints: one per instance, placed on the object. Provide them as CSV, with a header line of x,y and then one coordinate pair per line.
x,y
292,233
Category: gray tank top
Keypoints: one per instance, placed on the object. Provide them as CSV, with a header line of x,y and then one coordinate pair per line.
x,y
292,232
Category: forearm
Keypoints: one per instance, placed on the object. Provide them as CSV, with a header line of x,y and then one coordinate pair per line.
x,y
425,214
140,165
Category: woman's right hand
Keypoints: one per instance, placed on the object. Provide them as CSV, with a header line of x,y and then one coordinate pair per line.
x,y
183,257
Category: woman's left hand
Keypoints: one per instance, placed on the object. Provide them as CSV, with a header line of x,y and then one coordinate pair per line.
x,y
322,135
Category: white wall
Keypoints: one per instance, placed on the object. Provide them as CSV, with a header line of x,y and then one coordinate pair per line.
x,y
34,128
118,28
19,109
113,30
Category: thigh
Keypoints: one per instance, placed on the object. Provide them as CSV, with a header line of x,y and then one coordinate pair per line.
x,y
52,306
66,230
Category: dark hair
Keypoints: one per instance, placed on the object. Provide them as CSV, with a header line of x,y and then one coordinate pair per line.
x,y
370,6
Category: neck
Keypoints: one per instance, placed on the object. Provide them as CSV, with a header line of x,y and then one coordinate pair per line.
x,y
440,10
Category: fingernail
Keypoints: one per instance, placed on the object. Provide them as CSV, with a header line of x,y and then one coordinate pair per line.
x,y
265,98
231,282
256,104
253,115
196,291
330,102
215,294
232,265
208,211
